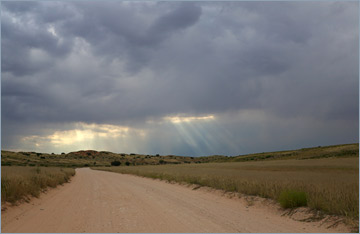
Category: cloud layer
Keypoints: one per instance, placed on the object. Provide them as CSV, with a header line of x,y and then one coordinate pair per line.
x,y
273,75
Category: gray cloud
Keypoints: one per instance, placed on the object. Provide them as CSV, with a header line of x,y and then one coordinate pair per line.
x,y
26,38
185,15
129,62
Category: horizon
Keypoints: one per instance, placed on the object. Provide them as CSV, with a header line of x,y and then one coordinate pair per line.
x,y
179,78
129,153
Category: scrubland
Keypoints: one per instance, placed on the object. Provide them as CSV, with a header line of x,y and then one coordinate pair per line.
x,y
330,185
323,178
91,158
20,183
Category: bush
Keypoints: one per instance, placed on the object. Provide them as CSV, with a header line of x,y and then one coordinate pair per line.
x,y
292,199
127,163
115,163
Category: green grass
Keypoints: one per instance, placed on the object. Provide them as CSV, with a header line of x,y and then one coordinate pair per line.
x,y
330,184
20,183
292,199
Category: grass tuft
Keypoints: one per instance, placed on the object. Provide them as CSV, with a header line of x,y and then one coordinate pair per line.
x,y
292,199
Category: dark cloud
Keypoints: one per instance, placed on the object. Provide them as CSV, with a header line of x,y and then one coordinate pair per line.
x,y
129,62
27,44
183,16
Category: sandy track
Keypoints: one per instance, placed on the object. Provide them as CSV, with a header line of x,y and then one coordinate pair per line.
x,y
97,201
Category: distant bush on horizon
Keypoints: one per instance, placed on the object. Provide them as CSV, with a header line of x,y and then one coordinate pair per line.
x,y
115,163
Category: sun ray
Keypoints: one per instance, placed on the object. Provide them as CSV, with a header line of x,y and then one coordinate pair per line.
x,y
194,131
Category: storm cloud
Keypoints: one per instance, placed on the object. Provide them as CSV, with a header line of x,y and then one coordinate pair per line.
x,y
240,77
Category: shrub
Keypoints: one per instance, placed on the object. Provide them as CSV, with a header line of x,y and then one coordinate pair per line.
x,y
115,163
127,163
292,199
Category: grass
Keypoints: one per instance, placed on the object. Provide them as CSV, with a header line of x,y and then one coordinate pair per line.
x,y
19,183
328,184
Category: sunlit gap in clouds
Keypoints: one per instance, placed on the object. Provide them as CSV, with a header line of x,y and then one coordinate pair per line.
x,y
186,135
87,136
202,133
179,119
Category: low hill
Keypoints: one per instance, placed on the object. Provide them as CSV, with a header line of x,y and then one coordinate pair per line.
x,y
86,158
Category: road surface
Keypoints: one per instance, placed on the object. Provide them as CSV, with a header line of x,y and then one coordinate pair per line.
x,y
105,202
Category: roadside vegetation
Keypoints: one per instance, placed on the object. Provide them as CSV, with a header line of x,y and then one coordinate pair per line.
x,y
20,183
330,185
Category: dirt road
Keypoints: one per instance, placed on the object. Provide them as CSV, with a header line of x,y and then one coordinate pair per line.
x,y
97,201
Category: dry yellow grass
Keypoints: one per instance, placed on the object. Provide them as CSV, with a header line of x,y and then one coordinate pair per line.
x,y
330,184
19,183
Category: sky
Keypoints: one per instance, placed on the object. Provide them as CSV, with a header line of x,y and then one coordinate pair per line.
x,y
181,78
